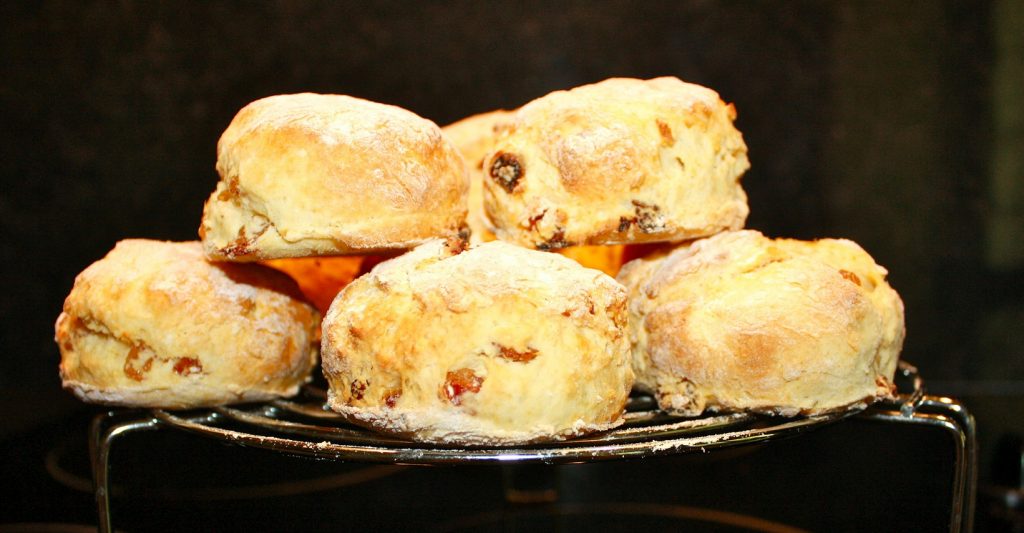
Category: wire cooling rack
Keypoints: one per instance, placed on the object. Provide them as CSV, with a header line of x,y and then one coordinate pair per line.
x,y
304,427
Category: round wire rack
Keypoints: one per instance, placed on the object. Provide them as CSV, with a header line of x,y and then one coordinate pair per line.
x,y
303,426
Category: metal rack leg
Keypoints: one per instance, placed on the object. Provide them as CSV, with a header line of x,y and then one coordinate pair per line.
x,y
951,416
967,446
104,429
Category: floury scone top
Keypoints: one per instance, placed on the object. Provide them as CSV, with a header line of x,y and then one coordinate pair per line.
x,y
615,162
154,324
741,322
324,174
495,344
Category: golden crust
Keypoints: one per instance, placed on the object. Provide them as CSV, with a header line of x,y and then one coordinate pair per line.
x,y
742,322
620,161
496,344
154,324
320,174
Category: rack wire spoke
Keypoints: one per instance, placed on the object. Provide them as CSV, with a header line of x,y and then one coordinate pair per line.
x,y
303,426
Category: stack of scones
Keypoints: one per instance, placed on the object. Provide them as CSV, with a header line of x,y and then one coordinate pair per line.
x,y
464,275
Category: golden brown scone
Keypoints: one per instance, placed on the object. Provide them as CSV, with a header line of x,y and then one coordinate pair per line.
x,y
620,161
154,324
324,174
495,345
320,278
739,321
474,137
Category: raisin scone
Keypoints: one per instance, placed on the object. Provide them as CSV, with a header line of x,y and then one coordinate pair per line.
x,y
739,321
325,174
153,324
495,344
617,162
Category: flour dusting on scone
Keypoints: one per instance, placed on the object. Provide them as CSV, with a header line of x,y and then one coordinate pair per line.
x,y
326,174
617,162
154,324
739,321
494,344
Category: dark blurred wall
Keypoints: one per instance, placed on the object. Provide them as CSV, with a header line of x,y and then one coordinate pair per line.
x,y
867,120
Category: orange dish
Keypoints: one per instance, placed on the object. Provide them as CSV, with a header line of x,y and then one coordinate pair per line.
x,y
320,278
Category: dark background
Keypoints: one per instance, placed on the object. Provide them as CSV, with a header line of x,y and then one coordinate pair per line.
x,y
897,124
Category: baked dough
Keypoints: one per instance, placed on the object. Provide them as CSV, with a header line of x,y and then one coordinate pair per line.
x,y
620,161
739,321
323,174
154,324
474,137
493,345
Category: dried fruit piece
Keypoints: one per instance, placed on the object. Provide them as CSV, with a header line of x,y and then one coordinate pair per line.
x,y
459,382
849,276
506,170
391,397
186,366
648,217
231,193
555,242
357,388
667,139
138,374
457,244
525,356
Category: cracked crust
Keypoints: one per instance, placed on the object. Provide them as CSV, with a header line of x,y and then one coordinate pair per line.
x,y
153,324
313,174
494,344
617,162
739,321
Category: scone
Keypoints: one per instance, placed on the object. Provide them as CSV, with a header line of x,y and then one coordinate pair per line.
x,y
620,161
324,174
474,137
153,324
495,344
739,321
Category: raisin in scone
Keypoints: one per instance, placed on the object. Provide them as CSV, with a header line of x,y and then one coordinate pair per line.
x,y
617,162
739,321
325,174
474,137
494,344
153,324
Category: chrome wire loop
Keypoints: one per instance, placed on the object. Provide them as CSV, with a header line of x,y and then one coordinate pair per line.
x,y
305,427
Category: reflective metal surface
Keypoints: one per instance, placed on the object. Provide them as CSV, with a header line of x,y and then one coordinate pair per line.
x,y
646,433
951,416
304,427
